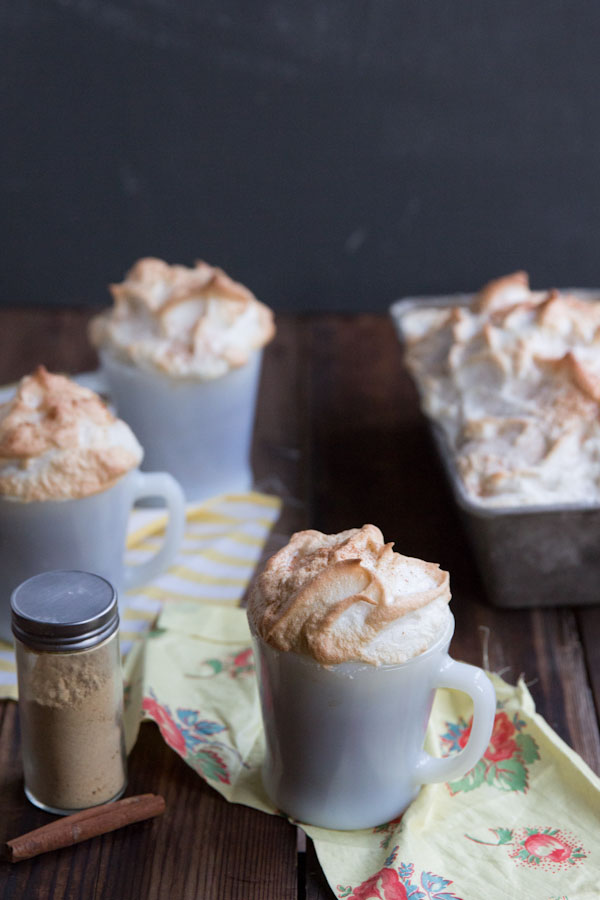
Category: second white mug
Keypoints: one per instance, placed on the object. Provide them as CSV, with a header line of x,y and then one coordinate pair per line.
x,y
200,430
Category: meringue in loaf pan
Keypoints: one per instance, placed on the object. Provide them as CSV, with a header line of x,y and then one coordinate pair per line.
x,y
509,380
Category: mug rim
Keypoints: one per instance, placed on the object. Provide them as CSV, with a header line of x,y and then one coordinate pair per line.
x,y
443,640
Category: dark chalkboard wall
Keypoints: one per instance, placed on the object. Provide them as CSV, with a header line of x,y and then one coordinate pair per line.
x,y
332,154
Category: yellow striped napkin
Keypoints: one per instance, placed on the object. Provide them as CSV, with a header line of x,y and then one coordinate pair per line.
x,y
223,542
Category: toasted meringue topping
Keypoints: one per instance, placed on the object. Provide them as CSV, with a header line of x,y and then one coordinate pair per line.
x,y
514,380
58,441
186,322
349,596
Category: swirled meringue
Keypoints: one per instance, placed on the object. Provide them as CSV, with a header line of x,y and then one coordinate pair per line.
x,y
184,322
59,441
349,596
514,381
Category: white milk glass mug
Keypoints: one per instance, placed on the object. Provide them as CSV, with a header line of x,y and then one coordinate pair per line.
x,y
344,743
84,533
199,430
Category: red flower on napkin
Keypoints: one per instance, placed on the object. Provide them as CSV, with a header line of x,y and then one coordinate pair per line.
x,y
507,758
397,884
169,730
384,885
243,659
547,846
502,745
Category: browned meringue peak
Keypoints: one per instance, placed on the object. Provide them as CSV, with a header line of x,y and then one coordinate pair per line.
x,y
159,286
503,292
349,596
586,377
183,321
575,392
58,440
508,298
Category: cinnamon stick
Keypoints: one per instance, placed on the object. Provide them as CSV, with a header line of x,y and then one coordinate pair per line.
x,y
83,825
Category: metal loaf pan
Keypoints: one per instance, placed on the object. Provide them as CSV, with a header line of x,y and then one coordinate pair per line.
x,y
546,555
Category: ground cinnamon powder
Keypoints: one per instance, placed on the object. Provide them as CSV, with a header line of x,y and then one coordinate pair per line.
x,y
71,718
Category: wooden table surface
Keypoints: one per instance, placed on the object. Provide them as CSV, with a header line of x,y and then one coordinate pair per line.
x,y
339,437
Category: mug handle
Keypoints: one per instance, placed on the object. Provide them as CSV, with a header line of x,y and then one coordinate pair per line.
x,y
474,682
158,484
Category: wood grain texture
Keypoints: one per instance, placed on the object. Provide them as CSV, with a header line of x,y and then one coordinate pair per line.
x,y
589,627
317,886
55,338
281,450
339,436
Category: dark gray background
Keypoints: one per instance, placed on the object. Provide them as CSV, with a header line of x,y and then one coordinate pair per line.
x,y
332,154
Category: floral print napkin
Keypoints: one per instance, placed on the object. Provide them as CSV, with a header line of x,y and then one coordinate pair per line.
x,y
524,822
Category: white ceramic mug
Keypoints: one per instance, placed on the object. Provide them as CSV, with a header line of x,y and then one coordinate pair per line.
x,y
344,743
199,430
87,533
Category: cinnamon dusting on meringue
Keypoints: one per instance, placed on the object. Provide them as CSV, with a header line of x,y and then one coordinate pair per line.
x,y
184,322
58,440
349,596
514,381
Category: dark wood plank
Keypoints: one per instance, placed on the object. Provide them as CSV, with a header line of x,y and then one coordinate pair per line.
x,y
282,429
56,338
588,620
317,886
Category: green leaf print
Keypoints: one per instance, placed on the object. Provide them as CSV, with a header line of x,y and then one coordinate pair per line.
x,y
490,775
528,749
470,781
504,835
510,775
215,664
212,766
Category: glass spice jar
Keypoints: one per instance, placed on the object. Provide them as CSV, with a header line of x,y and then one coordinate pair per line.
x,y
70,690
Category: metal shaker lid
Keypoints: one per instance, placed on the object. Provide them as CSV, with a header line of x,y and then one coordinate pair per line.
x,y
64,610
